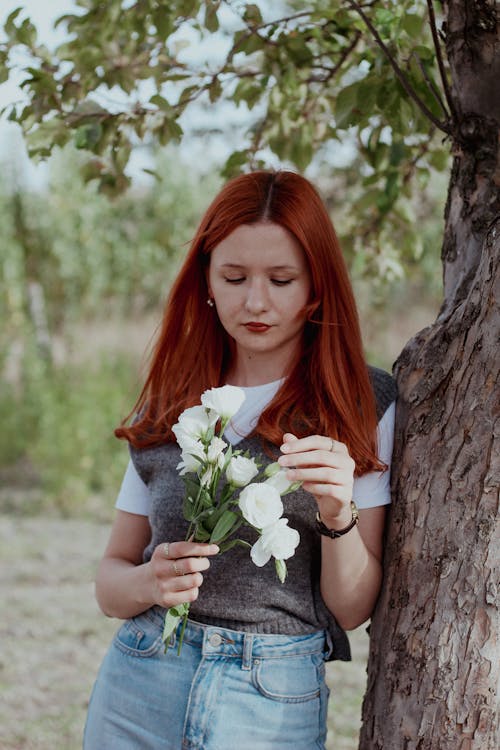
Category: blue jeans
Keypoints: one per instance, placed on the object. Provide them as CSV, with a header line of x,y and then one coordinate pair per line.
x,y
227,690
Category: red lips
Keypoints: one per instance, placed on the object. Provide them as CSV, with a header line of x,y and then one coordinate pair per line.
x,y
257,327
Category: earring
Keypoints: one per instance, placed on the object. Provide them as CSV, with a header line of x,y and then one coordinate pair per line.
x,y
210,302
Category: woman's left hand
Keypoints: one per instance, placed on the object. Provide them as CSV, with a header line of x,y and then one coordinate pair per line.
x,y
326,469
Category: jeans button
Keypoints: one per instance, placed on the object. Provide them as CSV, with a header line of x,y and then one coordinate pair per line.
x,y
215,640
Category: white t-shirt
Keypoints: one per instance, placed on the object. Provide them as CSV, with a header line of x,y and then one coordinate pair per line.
x,y
369,491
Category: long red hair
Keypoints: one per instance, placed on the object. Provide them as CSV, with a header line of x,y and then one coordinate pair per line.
x,y
328,389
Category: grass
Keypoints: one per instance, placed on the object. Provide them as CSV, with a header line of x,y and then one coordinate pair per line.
x,y
52,638
58,447
347,681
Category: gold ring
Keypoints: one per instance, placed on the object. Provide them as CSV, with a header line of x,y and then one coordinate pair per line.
x,y
176,569
332,445
165,549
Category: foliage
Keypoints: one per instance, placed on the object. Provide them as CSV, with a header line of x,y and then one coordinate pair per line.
x,y
309,78
60,424
85,251
70,256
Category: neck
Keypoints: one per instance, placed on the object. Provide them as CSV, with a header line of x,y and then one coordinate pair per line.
x,y
251,371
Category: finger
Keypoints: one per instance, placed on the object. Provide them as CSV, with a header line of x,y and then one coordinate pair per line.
x,y
173,598
331,491
322,474
176,550
192,564
185,565
195,549
187,582
165,570
313,442
318,458
176,567
329,478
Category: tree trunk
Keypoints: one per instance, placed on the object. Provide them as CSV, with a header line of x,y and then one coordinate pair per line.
x,y
434,667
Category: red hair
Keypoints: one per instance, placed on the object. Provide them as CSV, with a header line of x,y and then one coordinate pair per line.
x,y
328,389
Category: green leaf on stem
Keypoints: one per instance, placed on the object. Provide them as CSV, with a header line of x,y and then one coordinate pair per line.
x,y
201,534
172,619
229,544
272,469
188,508
292,488
206,499
281,569
228,457
224,526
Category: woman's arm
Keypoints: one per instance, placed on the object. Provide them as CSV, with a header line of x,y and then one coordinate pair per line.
x,y
351,570
125,586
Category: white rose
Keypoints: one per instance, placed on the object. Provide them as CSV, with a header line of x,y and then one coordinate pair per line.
x,y
260,504
193,424
192,450
225,400
241,471
206,477
278,540
215,451
279,481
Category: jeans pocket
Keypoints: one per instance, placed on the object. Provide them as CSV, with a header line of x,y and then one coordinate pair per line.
x,y
139,636
292,679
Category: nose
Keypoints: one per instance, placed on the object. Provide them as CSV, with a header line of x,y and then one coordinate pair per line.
x,y
257,299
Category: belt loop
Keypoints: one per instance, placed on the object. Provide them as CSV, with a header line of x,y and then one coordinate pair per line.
x,y
247,651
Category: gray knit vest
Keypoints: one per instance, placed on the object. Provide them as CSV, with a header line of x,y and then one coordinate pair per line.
x,y
235,593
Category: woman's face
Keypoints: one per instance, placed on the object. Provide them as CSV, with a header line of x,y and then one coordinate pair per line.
x,y
260,281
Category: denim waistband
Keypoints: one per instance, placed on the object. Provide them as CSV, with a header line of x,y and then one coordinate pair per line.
x,y
219,641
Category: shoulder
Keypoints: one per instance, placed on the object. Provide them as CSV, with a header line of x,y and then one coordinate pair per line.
x,y
384,389
155,460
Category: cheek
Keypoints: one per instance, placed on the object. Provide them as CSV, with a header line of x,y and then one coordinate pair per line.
x,y
227,307
295,308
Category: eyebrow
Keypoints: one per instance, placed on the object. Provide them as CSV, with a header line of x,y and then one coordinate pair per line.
x,y
270,268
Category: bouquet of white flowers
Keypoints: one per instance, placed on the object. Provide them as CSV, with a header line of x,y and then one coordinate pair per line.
x,y
220,495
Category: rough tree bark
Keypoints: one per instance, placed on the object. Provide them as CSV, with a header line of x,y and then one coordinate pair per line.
x,y
434,663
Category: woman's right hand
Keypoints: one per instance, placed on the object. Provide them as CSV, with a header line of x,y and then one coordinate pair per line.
x,y
175,571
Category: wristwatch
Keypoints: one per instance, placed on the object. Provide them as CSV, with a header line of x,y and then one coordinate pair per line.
x,y
334,533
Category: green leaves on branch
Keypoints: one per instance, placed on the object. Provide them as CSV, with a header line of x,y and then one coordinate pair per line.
x,y
23,33
306,77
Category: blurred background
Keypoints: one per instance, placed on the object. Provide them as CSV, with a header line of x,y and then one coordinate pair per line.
x,y
82,281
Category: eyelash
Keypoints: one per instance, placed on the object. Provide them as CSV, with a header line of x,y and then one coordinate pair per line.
x,y
276,282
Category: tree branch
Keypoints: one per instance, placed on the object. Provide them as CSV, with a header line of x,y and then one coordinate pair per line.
x,y
431,85
399,73
254,29
439,57
333,70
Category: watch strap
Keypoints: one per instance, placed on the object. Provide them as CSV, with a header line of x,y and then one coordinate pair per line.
x,y
334,533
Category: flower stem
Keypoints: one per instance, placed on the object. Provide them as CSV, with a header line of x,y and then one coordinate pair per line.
x,y
183,628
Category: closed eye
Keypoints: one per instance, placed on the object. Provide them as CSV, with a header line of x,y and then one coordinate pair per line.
x,y
238,280
281,282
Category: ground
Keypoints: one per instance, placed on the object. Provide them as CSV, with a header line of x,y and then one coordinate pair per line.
x,y
53,637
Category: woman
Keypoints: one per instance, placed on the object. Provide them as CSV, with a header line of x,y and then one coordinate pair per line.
x,y
281,323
